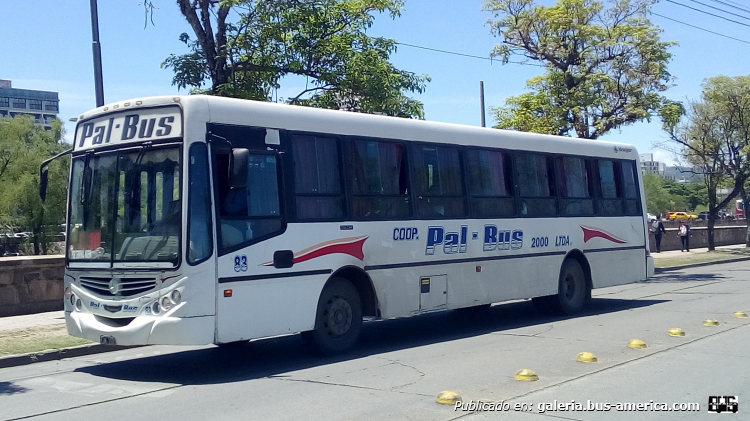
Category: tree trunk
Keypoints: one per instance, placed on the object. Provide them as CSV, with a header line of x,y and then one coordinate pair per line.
x,y
37,234
712,212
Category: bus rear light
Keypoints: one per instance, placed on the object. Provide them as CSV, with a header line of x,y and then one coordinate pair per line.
x,y
156,308
176,297
227,292
79,304
166,304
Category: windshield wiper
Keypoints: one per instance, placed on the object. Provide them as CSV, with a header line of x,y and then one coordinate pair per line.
x,y
87,179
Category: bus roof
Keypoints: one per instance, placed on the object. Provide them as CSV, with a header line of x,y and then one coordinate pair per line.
x,y
316,120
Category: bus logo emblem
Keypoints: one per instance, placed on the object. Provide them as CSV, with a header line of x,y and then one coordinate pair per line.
x,y
114,286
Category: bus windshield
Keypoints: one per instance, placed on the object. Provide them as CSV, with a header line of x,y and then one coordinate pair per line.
x,y
125,206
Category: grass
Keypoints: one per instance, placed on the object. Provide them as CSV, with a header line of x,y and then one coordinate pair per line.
x,y
36,339
707,257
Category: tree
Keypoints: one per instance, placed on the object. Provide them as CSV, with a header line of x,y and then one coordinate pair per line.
x,y
323,41
604,68
714,135
23,146
658,199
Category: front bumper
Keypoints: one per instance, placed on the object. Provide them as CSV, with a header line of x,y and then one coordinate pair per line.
x,y
144,329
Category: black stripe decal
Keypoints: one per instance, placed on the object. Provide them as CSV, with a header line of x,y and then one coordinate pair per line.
x,y
468,260
274,275
616,249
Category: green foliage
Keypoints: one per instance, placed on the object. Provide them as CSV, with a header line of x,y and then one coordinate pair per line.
x,y
322,42
604,67
23,147
664,195
658,199
714,135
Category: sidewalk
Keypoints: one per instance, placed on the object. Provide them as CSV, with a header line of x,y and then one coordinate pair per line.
x,y
32,320
677,253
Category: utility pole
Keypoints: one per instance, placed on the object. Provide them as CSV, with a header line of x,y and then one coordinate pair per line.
x,y
98,84
481,101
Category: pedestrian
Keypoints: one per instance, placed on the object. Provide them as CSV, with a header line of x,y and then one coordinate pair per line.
x,y
684,233
657,228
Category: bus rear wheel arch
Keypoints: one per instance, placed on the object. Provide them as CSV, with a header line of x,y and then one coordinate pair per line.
x,y
338,319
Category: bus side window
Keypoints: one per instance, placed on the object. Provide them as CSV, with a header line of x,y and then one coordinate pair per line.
x,y
490,183
200,239
438,181
536,189
317,183
630,187
251,212
378,175
610,189
576,195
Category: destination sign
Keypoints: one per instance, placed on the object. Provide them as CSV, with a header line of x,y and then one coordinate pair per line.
x,y
129,126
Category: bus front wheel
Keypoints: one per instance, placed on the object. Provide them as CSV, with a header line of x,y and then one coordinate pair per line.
x,y
572,291
338,319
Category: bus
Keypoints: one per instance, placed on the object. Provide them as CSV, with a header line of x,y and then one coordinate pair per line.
x,y
207,220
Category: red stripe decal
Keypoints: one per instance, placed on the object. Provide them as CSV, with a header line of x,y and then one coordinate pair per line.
x,y
589,233
353,249
351,246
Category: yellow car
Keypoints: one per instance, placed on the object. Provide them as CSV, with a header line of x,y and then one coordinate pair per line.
x,y
676,216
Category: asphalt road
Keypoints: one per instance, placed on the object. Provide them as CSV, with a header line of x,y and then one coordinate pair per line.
x,y
401,365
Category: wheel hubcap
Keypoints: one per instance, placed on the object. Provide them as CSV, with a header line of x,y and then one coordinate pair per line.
x,y
337,316
570,287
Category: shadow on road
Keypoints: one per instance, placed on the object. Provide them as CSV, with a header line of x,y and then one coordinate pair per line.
x,y
678,276
8,388
275,356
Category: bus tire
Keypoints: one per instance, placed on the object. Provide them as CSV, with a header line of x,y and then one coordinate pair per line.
x,y
338,319
572,295
573,291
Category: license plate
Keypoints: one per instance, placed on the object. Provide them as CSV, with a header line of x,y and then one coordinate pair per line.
x,y
107,340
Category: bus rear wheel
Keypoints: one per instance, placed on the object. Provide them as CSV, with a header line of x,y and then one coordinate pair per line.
x,y
572,292
338,319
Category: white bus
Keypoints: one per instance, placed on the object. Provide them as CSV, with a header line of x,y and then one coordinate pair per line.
x,y
199,220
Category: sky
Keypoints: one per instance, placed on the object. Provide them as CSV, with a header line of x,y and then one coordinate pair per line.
x,y
47,46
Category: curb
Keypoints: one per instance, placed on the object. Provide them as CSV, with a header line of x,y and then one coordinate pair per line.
x,y
59,354
695,265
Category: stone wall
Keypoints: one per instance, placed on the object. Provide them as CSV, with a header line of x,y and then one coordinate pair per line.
x,y
723,236
31,284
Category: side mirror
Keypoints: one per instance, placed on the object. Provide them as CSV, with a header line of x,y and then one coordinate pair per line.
x,y
238,161
43,174
283,259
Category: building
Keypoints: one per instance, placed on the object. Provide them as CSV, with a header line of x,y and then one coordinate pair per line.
x,y
648,165
683,174
42,105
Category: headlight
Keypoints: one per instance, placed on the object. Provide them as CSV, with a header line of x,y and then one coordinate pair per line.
x,y
176,297
70,296
166,304
155,308
78,304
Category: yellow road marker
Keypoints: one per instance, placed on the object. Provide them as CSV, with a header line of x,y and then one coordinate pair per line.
x,y
447,397
586,357
526,375
676,331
